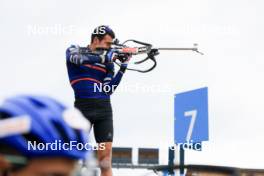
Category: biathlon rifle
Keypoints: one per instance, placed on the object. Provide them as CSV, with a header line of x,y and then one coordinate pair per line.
x,y
145,48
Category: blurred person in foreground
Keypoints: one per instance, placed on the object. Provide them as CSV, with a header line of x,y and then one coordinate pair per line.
x,y
27,123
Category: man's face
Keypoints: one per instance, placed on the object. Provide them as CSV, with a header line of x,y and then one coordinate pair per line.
x,y
3,163
48,167
104,43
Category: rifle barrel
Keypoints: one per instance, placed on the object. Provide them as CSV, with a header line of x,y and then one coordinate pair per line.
x,y
177,48
181,49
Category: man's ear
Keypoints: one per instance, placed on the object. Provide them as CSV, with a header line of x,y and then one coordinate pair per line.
x,y
96,40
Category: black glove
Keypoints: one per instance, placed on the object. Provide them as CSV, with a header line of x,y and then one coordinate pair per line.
x,y
124,58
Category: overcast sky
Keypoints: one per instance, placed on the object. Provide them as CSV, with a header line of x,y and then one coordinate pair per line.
x,y
35,34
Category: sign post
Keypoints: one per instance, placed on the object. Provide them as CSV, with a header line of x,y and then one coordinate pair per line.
x,y
190,121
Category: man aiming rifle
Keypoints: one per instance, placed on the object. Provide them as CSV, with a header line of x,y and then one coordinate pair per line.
x,y
87,69
92,67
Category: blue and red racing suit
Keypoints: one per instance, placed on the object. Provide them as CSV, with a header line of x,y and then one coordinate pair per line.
x,y
93,76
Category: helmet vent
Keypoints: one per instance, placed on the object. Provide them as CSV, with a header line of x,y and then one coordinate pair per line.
x,y
32,138
37,103
62,132
4,115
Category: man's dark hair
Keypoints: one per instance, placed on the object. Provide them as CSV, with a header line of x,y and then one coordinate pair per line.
x,y
102,31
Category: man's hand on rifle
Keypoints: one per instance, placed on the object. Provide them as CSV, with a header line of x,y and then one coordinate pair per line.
x,y
124,59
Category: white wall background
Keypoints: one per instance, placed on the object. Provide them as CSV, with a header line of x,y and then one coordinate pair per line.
x,y
230,33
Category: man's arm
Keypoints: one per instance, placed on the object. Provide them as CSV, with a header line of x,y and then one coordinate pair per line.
x,y
74,56
111,80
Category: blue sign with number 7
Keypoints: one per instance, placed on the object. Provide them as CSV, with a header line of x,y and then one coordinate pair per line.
x,y
191,116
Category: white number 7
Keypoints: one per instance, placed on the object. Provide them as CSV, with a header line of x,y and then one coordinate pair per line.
x,y
193,114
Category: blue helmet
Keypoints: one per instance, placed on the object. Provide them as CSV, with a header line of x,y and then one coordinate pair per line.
x,y
37,126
